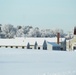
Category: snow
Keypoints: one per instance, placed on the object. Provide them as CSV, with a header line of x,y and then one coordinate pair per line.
x,y
21,41
37,62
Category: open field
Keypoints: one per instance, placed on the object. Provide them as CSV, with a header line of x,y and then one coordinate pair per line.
x,y
37,62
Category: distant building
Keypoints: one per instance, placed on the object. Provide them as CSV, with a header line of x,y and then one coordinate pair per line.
x,y
34,43
53,46
71,43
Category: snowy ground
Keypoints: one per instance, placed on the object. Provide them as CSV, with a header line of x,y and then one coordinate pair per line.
x,y
37,62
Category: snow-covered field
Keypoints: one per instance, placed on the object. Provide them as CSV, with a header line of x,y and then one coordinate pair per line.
x,y
37,62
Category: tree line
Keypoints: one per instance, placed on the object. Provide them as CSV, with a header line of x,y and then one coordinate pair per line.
x,y
10,31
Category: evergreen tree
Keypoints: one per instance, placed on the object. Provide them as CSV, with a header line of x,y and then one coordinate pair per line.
x,y
35,46
28,46
44,45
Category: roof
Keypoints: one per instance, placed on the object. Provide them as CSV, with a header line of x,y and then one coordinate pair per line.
x,y
24,41
54,44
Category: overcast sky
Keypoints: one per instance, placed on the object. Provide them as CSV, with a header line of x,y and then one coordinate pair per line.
x,y
39,13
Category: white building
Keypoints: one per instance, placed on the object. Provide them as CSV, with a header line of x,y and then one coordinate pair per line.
x,y
53,46
71,43
23,42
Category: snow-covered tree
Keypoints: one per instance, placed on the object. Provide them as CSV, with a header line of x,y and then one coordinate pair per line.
x,y
47,33
23,31
28,31
19,27
9,30
62,34
34,32
43,33
20,32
